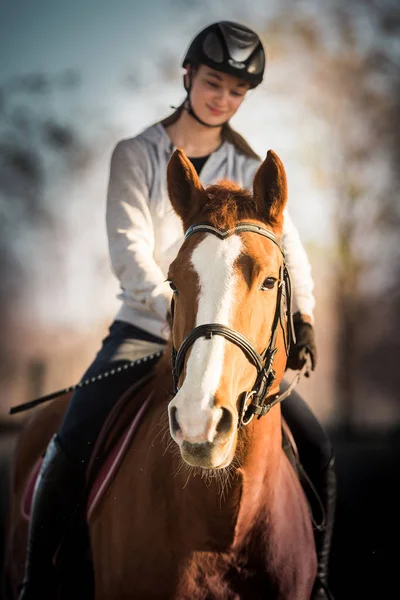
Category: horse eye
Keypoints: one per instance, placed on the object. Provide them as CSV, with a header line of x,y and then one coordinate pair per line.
x,y
268,283
173,286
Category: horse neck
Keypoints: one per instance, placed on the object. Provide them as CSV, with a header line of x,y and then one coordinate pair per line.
x,y
260,468
260,449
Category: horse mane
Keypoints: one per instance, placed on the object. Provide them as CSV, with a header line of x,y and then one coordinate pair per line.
x,y
227,203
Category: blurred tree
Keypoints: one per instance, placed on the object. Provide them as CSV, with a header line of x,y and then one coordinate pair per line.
x,y
47,143
347,56
53,144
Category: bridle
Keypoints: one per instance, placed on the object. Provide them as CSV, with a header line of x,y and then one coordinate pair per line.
x,y
254,402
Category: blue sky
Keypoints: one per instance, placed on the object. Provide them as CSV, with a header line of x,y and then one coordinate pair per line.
x,y
89,34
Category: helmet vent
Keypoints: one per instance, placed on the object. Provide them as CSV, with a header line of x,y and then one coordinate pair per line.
x,y
212,48
256,64
241,43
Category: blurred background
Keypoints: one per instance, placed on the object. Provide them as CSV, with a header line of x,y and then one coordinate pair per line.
x,y
77,77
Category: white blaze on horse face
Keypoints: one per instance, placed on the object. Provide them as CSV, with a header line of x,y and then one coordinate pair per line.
x,y
213,260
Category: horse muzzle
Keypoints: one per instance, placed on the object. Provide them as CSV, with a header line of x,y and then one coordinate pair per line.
x,y
205,437
207,455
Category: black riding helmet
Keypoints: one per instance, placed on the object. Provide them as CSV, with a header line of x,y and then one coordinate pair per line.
x,y
231,48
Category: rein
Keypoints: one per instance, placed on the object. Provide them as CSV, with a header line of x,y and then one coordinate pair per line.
x,y
254,402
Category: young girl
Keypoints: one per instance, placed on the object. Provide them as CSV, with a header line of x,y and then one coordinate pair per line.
x,y
222,63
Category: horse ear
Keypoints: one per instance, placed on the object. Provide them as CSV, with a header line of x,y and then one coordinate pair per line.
x,y
185,191
270,188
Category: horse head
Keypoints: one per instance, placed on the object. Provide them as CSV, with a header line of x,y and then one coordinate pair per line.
x,y
228,332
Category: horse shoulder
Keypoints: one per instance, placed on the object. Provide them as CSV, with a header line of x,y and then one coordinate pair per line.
x,y
130,521
293,538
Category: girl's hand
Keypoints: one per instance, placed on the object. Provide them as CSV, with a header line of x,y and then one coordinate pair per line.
x,y
305,343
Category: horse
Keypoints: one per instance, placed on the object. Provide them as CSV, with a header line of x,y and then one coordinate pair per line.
x,y
205,504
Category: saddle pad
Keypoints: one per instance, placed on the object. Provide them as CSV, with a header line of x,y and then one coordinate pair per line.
x,y
112,462
104,477
26,502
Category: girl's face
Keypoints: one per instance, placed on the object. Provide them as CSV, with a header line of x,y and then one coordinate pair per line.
x,y
216,96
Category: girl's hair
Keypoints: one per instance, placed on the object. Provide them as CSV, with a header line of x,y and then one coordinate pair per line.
x,y
232,136
228,134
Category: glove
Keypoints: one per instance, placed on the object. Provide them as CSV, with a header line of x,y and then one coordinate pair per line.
x,y
305,342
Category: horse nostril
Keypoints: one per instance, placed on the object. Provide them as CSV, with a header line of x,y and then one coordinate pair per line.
x,y
174,420
224,425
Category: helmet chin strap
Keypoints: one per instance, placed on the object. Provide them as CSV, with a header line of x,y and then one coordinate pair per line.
x,y
190,110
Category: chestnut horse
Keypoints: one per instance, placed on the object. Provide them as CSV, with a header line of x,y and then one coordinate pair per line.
x,y
211,509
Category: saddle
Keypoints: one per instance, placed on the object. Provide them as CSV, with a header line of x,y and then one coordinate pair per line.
x,y
113,442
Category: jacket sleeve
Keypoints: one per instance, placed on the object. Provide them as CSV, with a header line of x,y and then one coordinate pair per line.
x,y
299,268
130,230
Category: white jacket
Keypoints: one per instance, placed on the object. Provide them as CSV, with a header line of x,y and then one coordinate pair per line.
x,y
145,234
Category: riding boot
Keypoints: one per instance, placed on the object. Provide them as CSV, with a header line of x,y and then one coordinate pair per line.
x,y
323,537
57,496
